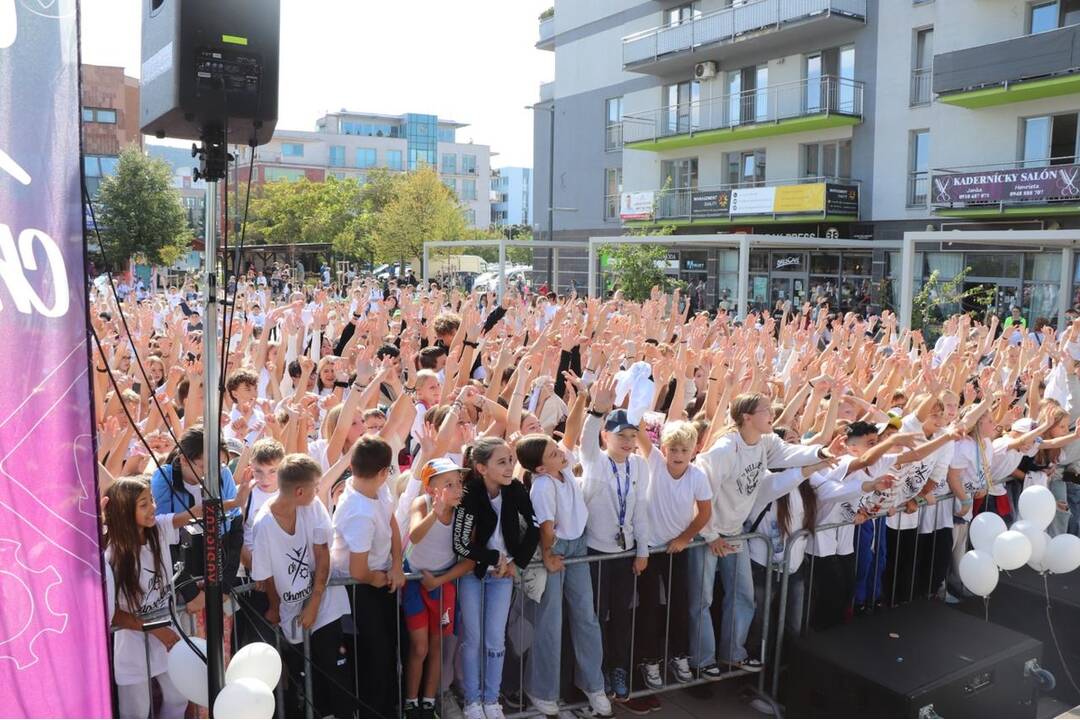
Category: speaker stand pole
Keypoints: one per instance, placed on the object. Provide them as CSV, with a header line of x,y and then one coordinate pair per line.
x,y
214,160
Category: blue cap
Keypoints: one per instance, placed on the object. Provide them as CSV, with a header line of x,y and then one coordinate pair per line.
x,y
617,421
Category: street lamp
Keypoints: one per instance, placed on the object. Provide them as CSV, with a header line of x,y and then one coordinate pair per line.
x,y
551,183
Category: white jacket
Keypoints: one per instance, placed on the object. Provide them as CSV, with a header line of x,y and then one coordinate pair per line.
x,y
736,471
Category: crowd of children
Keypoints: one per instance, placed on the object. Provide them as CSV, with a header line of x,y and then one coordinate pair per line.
x,y
425,483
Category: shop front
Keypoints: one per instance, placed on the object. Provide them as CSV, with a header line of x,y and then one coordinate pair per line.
x,y
842,278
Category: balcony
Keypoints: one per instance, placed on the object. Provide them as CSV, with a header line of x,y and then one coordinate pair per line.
x,y
801,106
547,33
613,137
1033,188
775,201
775,25
921,85
1017,70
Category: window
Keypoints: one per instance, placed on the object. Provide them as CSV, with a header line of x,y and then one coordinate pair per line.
x,y
830,81
468,164
613,124
369,129
470,217
366,157
273,174
447,135
678,15
337,156
292,150
1043,16
922,66
451,183
99,115
746,169
449,164
682,106
1049,140
918,165
468,190
97,166
827,160
679,178
612,192
748,98
394,160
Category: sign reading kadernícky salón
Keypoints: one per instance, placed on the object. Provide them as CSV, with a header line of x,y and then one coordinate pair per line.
x,y
1055,182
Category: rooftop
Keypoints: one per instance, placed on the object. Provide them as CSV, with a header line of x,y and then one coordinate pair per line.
x,y
398,118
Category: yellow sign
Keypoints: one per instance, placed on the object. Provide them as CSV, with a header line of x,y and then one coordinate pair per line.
x,y
800,198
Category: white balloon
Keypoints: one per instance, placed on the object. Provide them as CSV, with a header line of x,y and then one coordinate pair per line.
x,y
978,572
1038,562
1037,505
1035,536
245,699
984,528
1063,554
188,671
1012,550
259,661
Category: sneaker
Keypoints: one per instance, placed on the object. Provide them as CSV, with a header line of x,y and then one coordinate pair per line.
x,y
748,665
599,703
651,672
620,685
474,710
549,707
763,707
448,705
412,710
493,710
427,710
951,599
711,671
680,668
639,705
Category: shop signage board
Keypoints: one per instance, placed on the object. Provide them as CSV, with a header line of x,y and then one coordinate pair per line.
x,y
799,198
637,205
693,265
841,199
1021,185
710,203
753,201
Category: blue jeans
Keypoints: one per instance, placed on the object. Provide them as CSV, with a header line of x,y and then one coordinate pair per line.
x,y
700,578
1060,524
543,665
483,606
738,582
1072,495
870,571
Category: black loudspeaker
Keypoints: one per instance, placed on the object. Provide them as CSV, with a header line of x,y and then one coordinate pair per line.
x,y
210,64
923,659
1019,603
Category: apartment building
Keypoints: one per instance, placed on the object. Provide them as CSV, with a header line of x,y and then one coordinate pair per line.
x,y
110,119
350,144
192,192
511,196
840,120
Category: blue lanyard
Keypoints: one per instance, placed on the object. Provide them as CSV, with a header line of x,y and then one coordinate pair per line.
x,y
619,491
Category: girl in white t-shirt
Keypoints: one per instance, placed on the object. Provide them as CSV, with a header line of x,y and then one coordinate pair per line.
x,y
559,505
137,550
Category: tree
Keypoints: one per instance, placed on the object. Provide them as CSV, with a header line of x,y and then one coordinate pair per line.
x,y
639,268
420,208
927,312
141,214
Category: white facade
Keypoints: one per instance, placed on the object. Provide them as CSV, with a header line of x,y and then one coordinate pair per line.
x,y
511,196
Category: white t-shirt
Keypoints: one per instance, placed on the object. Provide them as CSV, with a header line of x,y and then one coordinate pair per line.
x,y
257,499
362,525
670,501
1005,461
975,468
129,654
290,561
561,501
435,552
496,542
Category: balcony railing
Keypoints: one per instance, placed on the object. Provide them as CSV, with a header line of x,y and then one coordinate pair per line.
x,y
803,98
1014,182
677,203
547,91
547,30
613,137
917,184
729,24
922,82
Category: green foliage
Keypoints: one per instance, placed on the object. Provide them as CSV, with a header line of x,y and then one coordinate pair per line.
x,y
418,208
637,269
548,13
141,214
926,311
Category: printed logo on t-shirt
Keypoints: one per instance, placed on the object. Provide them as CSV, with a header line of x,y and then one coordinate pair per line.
x,y
299,570
747,481
153,589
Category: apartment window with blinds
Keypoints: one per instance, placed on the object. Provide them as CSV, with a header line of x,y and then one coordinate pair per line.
x,y
918,167
922,67
612,192
613,127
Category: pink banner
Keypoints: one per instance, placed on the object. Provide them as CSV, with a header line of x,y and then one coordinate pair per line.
x,y
53,637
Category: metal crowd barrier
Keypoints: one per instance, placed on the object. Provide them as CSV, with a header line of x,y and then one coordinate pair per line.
x,y
515,700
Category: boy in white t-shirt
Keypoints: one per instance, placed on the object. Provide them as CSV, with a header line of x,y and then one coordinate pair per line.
x,y
291,560
367,548
261,473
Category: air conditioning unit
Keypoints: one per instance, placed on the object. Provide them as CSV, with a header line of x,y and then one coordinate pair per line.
x,y
705,70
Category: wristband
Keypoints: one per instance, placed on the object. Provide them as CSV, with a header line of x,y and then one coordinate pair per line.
x,y
471,344
596,413
340,384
